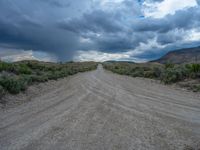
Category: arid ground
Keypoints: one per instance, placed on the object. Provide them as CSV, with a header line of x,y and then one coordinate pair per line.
x,y
99,110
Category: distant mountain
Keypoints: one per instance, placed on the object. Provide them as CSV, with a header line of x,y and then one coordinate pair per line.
x,y
187,55
116,61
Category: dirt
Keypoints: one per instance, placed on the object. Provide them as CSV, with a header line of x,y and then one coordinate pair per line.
x,y
190,84
99,110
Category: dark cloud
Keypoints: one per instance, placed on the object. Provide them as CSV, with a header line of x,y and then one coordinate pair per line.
x,y
63,27
183,19
97,22
23,30
168,38
36,37
56,3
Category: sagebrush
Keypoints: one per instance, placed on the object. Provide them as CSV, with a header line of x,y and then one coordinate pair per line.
x,y
16,77
167,73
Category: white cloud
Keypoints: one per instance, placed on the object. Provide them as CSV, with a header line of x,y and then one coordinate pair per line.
x,y
130,55
108,4
151,45
99,56
85,40
104,3
192,35
161,9
18,55
102,56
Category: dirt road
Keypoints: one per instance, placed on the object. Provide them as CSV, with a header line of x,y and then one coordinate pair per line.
x,y
99,110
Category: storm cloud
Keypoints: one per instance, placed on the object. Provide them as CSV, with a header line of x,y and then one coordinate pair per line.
x,y
119,29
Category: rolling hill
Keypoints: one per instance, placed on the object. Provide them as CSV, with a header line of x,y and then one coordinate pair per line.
x,y
187,55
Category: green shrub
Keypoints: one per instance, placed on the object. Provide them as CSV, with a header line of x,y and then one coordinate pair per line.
x,y
138,73
149,74
36,78
116,67
168,74
24,69
2,92
7,67
25,81
169,65
13,84
55,75
196,88
194,70
172,75
3,66
37,66
17,76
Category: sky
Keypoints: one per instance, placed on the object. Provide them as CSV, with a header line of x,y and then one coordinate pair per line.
x,y
96,30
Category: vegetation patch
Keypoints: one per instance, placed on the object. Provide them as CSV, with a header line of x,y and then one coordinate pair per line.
x,y
1,91
168,73
16,77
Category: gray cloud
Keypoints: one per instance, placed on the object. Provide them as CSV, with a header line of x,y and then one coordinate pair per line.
x,y
170,37
63,27
183,19
98,21
56,3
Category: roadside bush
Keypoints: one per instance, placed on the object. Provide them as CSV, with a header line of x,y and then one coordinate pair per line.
x,y
71,71
172,75
169,76
24,69
138,73
37,66
2,92
3,66
169,65
116,67
157,72
55,75
13,84
7,67
15,77
168,73
196,88
149,74
194,70
35,78
25,81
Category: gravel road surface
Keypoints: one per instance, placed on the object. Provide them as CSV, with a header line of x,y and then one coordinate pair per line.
x,y
99,110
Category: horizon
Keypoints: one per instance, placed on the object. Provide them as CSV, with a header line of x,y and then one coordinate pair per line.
x,y
68,61
96,30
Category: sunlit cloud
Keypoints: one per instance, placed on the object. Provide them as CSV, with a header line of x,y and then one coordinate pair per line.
x,y
165,7
19,55
192,35
99,56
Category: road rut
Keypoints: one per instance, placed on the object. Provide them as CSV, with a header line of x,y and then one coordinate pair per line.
x,y
99,110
